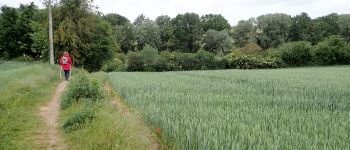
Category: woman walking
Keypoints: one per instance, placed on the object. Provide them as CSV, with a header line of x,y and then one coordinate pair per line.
x,y
66,62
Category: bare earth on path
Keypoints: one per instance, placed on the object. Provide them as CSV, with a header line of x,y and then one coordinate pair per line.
x,y
123,108
50,114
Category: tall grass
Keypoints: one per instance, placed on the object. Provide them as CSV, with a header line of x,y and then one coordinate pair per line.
x,y
23,88
108,128
303,108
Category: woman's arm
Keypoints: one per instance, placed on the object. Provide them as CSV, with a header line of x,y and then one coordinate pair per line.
x,y
61,61
69,60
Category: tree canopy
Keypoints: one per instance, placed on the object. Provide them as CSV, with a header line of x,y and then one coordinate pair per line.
x,y
95,39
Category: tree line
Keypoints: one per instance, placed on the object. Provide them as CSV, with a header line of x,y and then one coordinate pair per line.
x,y
186,42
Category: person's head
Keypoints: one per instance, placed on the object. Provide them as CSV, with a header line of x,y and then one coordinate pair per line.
x,y
65,53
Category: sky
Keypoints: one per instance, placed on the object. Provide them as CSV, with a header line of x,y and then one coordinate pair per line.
x,y
232,10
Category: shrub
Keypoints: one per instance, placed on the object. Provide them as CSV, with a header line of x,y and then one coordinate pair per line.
x,y
253,62
117,64
206,60
296,53
251,56
78,119
167,62
333,50
250,48
134,61
150,57
188,61
81,88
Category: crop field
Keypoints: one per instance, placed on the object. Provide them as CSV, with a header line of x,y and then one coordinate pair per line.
x,y
298,108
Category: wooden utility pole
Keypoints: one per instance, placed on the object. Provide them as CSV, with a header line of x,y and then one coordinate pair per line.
x,y
52,61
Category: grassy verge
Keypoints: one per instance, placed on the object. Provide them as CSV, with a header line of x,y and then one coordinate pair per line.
x,y
23,88
97,124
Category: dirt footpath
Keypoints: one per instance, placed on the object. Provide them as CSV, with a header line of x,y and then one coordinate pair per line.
x,y
50,114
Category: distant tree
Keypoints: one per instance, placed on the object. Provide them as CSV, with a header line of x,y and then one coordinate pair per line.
x,y
300,29
273,29
215,22
15,39
323,27
122,31
243,32
125,37
218,42
141,19
166,32
8,34
24,29
344,26
115,19
101,46
148,33
40,35
187,32
150,57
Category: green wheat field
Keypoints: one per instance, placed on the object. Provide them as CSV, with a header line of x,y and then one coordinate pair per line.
x,y
297,108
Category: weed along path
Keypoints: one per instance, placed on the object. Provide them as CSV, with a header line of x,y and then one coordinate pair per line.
x,y
124,110
50,115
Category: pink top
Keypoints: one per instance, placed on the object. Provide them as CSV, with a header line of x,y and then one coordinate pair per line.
x,y
66,66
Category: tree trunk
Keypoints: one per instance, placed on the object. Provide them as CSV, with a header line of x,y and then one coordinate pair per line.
x,y
51,33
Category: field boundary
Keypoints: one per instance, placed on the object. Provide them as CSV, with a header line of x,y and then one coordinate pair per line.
x,y
118,103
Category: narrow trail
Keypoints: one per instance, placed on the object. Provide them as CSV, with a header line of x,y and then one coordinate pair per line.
x,y
123,108
49,114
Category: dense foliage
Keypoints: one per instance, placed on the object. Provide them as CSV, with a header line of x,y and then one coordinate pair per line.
x,y
296,53
81,88
96,40
333,50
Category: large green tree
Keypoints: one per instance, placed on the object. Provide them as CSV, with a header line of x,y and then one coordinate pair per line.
x,y
244,32
15,31
166,32
24,29
116,19
122,31
147,33
324,27
141,19
215,22
344,26
218,42
273,29
300,28
85,34
125,37
40,35
8,33
187,32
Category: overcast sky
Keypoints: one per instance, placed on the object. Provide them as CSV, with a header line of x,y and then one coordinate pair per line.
x,y
232,10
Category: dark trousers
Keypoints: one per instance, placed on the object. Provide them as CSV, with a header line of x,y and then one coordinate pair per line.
x,y
66,74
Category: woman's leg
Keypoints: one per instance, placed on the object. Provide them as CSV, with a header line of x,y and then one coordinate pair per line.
x,y
66,74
